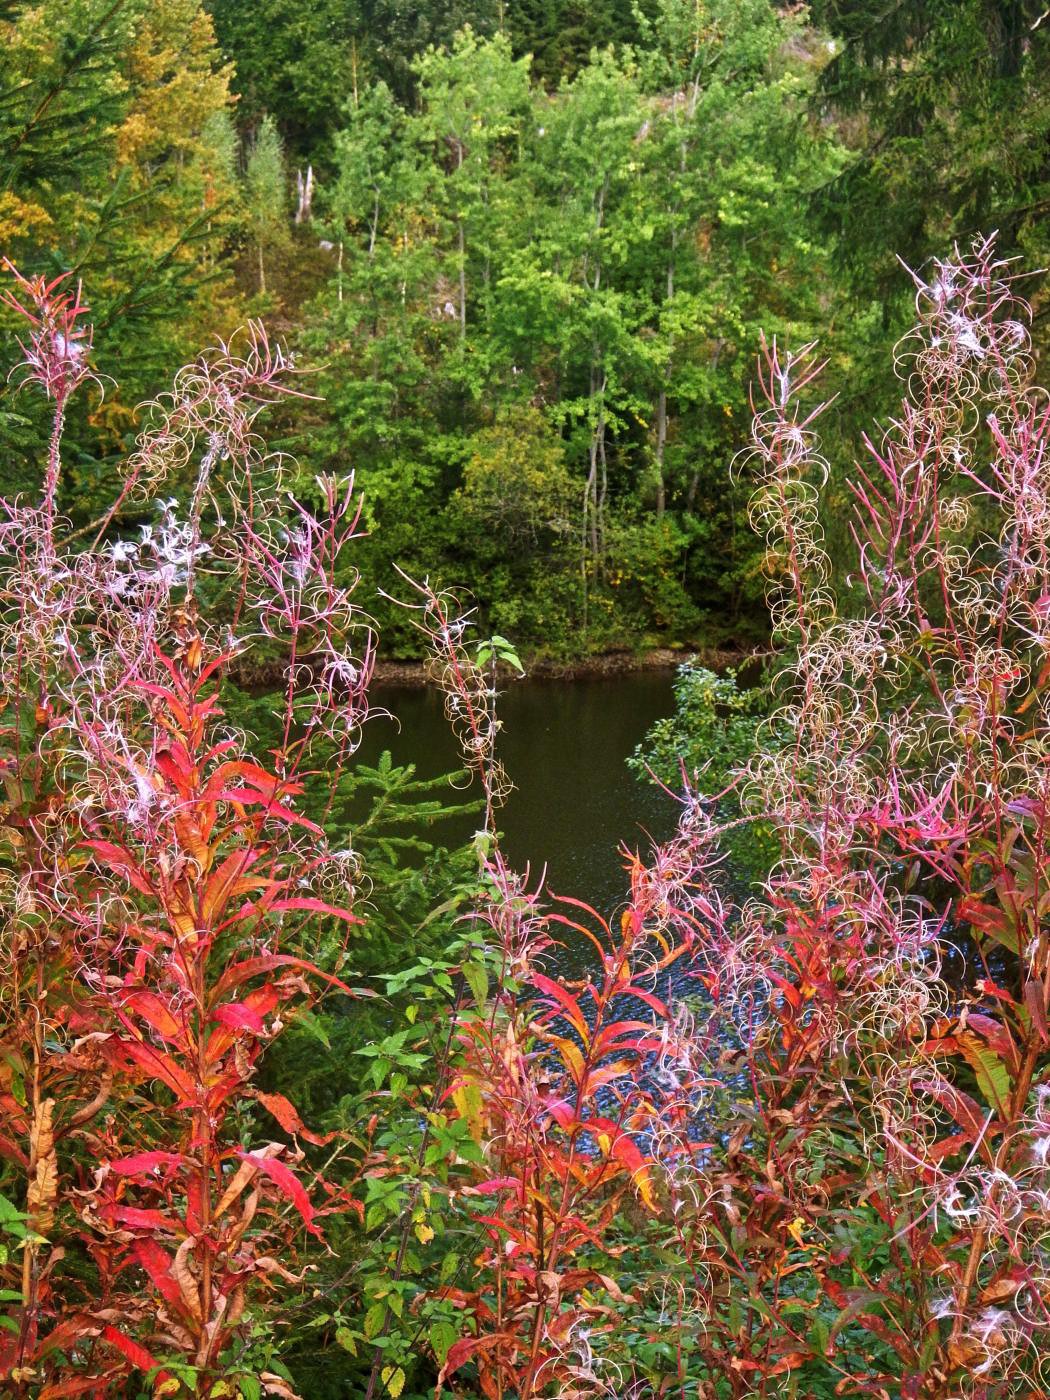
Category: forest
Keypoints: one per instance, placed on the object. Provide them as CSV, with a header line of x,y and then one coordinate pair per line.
x,y
464,341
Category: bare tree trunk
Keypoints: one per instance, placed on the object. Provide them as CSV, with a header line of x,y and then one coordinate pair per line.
x,y
661,443
462,283
661,402
373,232
584,574
305,188
599,513
462,258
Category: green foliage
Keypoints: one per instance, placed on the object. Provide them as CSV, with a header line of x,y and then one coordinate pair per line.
x,y
304,62
711,734
947,109
703,746
536,336
377,1065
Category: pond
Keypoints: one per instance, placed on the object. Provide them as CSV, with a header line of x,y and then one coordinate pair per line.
x,y
564,745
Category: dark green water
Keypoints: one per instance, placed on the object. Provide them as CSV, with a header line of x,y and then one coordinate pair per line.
x,y
563,744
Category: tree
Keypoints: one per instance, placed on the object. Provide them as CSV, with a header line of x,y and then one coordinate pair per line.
x,y
266,195
303,62
110,169
946,107
473,99
160,266
604,254
728,166
561,34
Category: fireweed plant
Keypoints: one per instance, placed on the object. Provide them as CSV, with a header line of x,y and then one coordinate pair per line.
x,y
547,1077
872,1212
877,1217
867,1208
163,895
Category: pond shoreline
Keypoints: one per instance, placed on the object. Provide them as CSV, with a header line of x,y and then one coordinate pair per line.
x,y
413,673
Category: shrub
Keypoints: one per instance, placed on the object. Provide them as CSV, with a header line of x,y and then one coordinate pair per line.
x,y
162,892
870,1059
876,1219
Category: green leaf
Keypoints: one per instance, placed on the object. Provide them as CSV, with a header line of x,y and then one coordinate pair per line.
x,y
442,1336
477,980
394,1380
374,1319
993,1078
314,1027
346,1339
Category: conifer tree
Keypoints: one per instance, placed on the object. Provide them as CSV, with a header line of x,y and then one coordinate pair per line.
x,y
112,166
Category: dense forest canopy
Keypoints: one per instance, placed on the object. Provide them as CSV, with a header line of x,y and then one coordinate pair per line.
x,y
534,257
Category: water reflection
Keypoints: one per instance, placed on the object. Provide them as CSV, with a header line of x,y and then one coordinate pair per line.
x,y
564,745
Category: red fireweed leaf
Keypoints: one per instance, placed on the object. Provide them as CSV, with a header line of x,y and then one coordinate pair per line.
x,y
145,1163
990,919
9,1149
653,1002
267,784
157,1263
570,1054
155,1012
248,797
156,1064
224,746
788,1362
117,858
494,1184
245,1015
561,1112
137,1355
63,1390
461,1351
174,705
619,1147
288,1116
568,1003
238,1015
608,1041
949,1146
210,669
230,879
241,972
965,1110
991,989
316,906
138,1219
287,1183
178,769
608,1073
